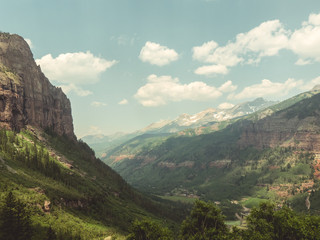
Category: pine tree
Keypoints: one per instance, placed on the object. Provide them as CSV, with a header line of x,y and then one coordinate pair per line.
x,y
15,221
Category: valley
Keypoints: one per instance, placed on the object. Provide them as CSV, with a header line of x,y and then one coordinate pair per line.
x,y
271,154
232,168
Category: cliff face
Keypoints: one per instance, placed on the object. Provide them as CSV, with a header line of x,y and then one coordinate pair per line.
x,y
298,126
26,95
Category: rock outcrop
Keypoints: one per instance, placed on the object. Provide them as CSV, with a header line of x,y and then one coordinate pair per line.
x,y
297,126
26,95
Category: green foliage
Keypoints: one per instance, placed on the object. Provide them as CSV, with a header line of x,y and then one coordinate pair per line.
x,y
205,222
15,223
88,200
229,209
306,108
253,202
148,230
268,222
33,155
265,222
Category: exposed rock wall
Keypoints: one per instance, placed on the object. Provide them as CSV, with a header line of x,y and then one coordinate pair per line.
x,y
279,130
26,95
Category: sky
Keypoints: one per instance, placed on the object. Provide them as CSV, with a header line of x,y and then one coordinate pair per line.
x,y
125,64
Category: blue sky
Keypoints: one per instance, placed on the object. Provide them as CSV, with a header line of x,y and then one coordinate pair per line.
x,y
127,63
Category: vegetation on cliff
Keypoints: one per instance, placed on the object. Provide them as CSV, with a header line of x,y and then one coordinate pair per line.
x,y
66,192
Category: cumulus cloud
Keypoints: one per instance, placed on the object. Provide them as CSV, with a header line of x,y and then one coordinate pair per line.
x,y
158,55
77,90
29,42
248,48
265,40
314,19
160,90
76,68
201,53
305,42
228,87
98,104
267,88
123,102
226,105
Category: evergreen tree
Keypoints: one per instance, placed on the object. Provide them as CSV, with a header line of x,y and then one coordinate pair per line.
x,y
15,221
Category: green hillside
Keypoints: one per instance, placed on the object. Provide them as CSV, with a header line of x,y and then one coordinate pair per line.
x,y
67,192
146,142
215,167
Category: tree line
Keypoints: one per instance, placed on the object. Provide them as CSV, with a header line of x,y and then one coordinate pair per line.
x,y
206,222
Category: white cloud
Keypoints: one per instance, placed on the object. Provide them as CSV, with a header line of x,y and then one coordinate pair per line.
x,y
228,87
314,19
211,69
77,68
227,55
158,55
307,86
201,53
123,102
265,40
305,42
267,88
225,105
163,89
77,90
29,42
98,104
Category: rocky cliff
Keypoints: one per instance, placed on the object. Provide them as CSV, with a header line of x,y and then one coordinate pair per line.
x,y
298,126
26,95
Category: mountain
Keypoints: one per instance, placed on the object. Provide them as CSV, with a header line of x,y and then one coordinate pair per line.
x,y
270,154
208,118
102,143
51,183
189,125
296,126
27,96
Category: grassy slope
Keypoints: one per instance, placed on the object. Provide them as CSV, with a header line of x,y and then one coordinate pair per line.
x,y
89,200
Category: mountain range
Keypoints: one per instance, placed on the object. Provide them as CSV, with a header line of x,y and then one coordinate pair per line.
x,y
209,117
272,153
